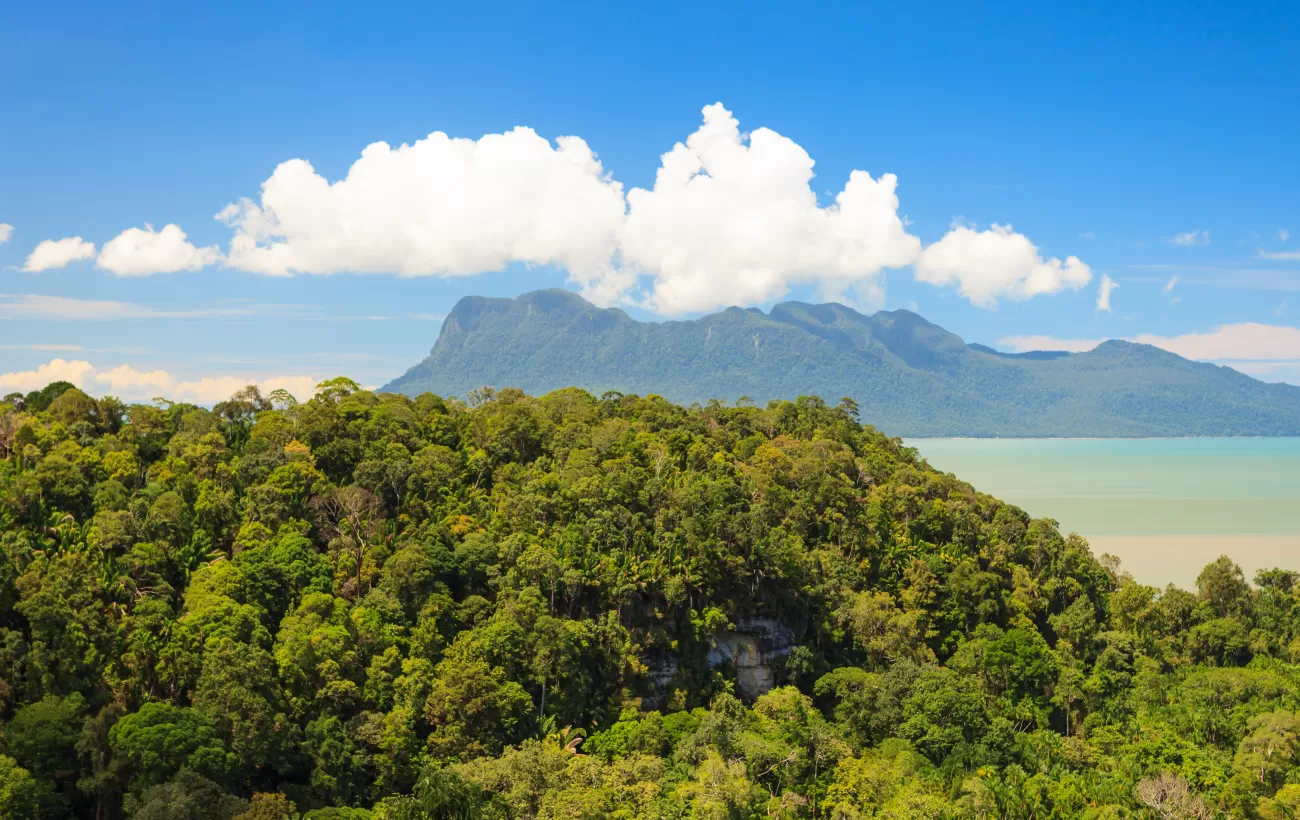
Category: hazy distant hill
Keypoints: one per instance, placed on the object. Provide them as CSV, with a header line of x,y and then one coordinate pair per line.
x,y
909,377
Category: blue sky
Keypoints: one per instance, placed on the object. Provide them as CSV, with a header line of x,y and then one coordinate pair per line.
x,y
1150,143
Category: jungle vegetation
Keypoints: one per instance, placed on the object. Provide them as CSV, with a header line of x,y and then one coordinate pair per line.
x,y
911,377
378,606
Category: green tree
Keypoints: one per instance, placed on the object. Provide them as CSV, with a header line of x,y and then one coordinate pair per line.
x,y
474,709
1269,751
188,796
19,791
160,740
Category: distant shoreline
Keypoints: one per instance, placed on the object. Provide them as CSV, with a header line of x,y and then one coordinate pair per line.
x,y
1096,438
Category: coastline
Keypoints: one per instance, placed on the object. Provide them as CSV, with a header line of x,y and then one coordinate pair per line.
x,y
1177,559
907,439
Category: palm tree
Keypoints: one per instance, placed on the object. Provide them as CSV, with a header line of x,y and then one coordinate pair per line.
x,y
567,739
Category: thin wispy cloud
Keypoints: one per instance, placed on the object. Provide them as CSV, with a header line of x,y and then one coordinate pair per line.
x,y
1229,275
1088,235
1283,234
1167,292
1280,256
1190,239
6,231
72,348
30,306
379,317
46,348
62,308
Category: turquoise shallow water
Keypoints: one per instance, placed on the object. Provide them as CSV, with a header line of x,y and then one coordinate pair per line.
x,y
1165,507
1100,487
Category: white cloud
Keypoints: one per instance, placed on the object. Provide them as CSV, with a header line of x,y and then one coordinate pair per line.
x,y
1243,341
1280,256
1088,235
6,231
440,207
131,384
1170,285
1283,234
46,348
1104,291
137,252
56,253
732,220
1190,239
31,306
986,265
1024,344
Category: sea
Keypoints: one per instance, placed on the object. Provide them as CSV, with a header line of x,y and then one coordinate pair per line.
x,y
1164,507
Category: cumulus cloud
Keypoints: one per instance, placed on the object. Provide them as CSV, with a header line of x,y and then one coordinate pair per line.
x,y
987,265
439,207
732,220
56,253
1190,239
142,252
1104,291
6,231
131,384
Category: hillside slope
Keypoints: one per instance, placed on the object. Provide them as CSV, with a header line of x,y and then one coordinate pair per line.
x,y
377,607
910,377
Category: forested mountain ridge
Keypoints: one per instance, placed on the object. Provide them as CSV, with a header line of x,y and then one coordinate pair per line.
x,y
377,606
909,376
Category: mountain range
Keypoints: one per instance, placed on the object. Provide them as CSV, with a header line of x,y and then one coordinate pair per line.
x,y
908,376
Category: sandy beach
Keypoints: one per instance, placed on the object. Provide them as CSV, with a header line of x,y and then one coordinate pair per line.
x,y
1178,559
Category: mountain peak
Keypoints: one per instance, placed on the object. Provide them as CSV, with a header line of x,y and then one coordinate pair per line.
x,y
909,376
558,305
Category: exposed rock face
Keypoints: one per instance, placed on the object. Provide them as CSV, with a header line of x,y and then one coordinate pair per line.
x,y
752,647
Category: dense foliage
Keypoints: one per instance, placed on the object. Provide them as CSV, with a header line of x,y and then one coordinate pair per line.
x,y
375,606
910,377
